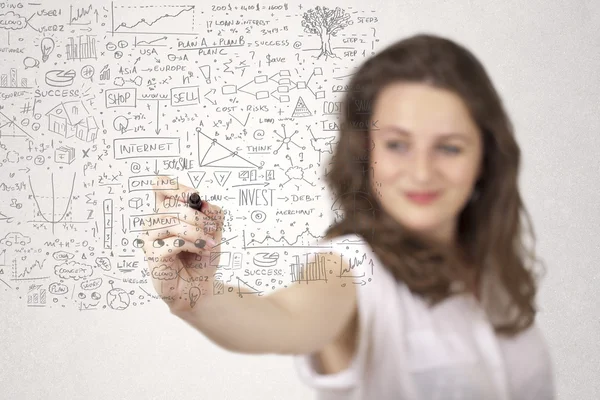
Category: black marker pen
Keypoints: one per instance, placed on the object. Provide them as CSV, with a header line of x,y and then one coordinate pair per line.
x,y
195,202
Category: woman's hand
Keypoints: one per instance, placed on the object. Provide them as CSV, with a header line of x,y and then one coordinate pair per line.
x,y
182,258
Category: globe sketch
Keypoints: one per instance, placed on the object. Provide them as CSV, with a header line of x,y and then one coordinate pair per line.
x,y
117,299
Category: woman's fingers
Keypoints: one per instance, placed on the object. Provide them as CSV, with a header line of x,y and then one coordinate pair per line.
x,y
175,202
166,258
180,195
213,223
213,212
183,212
174,273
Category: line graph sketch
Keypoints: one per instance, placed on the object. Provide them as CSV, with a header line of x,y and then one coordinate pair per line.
x,y
159,42
154,19
306,239
25,275
357,263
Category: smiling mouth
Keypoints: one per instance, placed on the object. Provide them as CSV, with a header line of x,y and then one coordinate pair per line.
x,y
422,197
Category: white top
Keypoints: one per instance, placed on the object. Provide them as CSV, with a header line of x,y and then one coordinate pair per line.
x,y
409,351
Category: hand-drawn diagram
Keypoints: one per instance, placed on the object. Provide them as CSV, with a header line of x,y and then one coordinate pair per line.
x,y
47,47
12,81
72,119
150,19
100,101
326,23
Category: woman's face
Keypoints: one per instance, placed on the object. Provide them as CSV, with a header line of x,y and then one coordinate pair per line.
x,y
424,141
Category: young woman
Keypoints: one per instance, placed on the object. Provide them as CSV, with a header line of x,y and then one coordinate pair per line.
x,y
426,172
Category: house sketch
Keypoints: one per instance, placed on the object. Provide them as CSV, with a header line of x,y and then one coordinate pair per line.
x,y
71,118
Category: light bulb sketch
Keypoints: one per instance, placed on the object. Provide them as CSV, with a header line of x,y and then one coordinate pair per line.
x,y
194,295
47,47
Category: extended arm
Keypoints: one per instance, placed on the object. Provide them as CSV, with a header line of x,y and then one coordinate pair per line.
x,y
301,318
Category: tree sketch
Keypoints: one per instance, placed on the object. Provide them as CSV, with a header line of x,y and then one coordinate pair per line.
x,y
325,22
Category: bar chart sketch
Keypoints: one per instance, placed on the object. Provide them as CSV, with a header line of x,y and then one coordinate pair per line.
x,y
81,48
309,271
12,81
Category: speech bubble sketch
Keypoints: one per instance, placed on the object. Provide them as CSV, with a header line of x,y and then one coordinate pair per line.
x,y
30,62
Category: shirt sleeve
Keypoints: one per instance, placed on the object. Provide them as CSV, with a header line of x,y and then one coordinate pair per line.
x,y
306,364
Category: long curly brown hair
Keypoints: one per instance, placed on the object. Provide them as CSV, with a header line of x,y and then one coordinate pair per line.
x,y
490,233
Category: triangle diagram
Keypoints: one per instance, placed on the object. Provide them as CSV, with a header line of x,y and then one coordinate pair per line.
x,y
301,110
9,128
245,288
211,153
222,177
196,177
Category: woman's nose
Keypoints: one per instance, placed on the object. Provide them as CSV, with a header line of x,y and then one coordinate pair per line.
x,y
422,167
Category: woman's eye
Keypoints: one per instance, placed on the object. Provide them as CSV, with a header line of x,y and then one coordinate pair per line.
x,y
452,149
394,145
